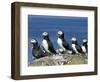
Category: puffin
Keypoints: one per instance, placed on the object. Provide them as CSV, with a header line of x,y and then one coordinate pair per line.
x,y
63,43
85,46
47,44
76,47
37,50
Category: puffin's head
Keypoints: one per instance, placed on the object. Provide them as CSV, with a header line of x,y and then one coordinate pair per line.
x,y
60,34
34,42
73,40
84,41
45,35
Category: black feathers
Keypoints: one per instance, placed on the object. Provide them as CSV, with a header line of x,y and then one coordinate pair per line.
x,y
79,49
66,45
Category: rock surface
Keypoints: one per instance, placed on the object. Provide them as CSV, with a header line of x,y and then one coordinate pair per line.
x,y
63,59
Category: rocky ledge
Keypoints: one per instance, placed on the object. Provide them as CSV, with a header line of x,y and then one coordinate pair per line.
x,y
63,59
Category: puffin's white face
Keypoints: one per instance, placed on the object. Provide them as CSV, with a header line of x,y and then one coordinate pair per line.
x,y
33,41
73,39
45,34
84,40
60,32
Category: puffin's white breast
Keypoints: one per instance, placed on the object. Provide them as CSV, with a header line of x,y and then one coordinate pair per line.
x,y
59,41
74,48
83,48
45,45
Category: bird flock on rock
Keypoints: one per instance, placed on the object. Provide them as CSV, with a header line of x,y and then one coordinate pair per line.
x,y
46,47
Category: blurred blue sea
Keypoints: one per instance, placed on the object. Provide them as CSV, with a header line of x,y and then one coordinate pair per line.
x,y
72,27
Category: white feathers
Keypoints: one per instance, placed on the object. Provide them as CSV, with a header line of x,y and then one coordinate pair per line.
x,y
59,41
74,48
84,49
45,45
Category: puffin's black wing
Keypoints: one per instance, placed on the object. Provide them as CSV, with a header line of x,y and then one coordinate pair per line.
x,y
86,46
51,48
66,45
79,49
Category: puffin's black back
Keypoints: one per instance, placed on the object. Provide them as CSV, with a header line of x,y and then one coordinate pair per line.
x,y
86,46
79,49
